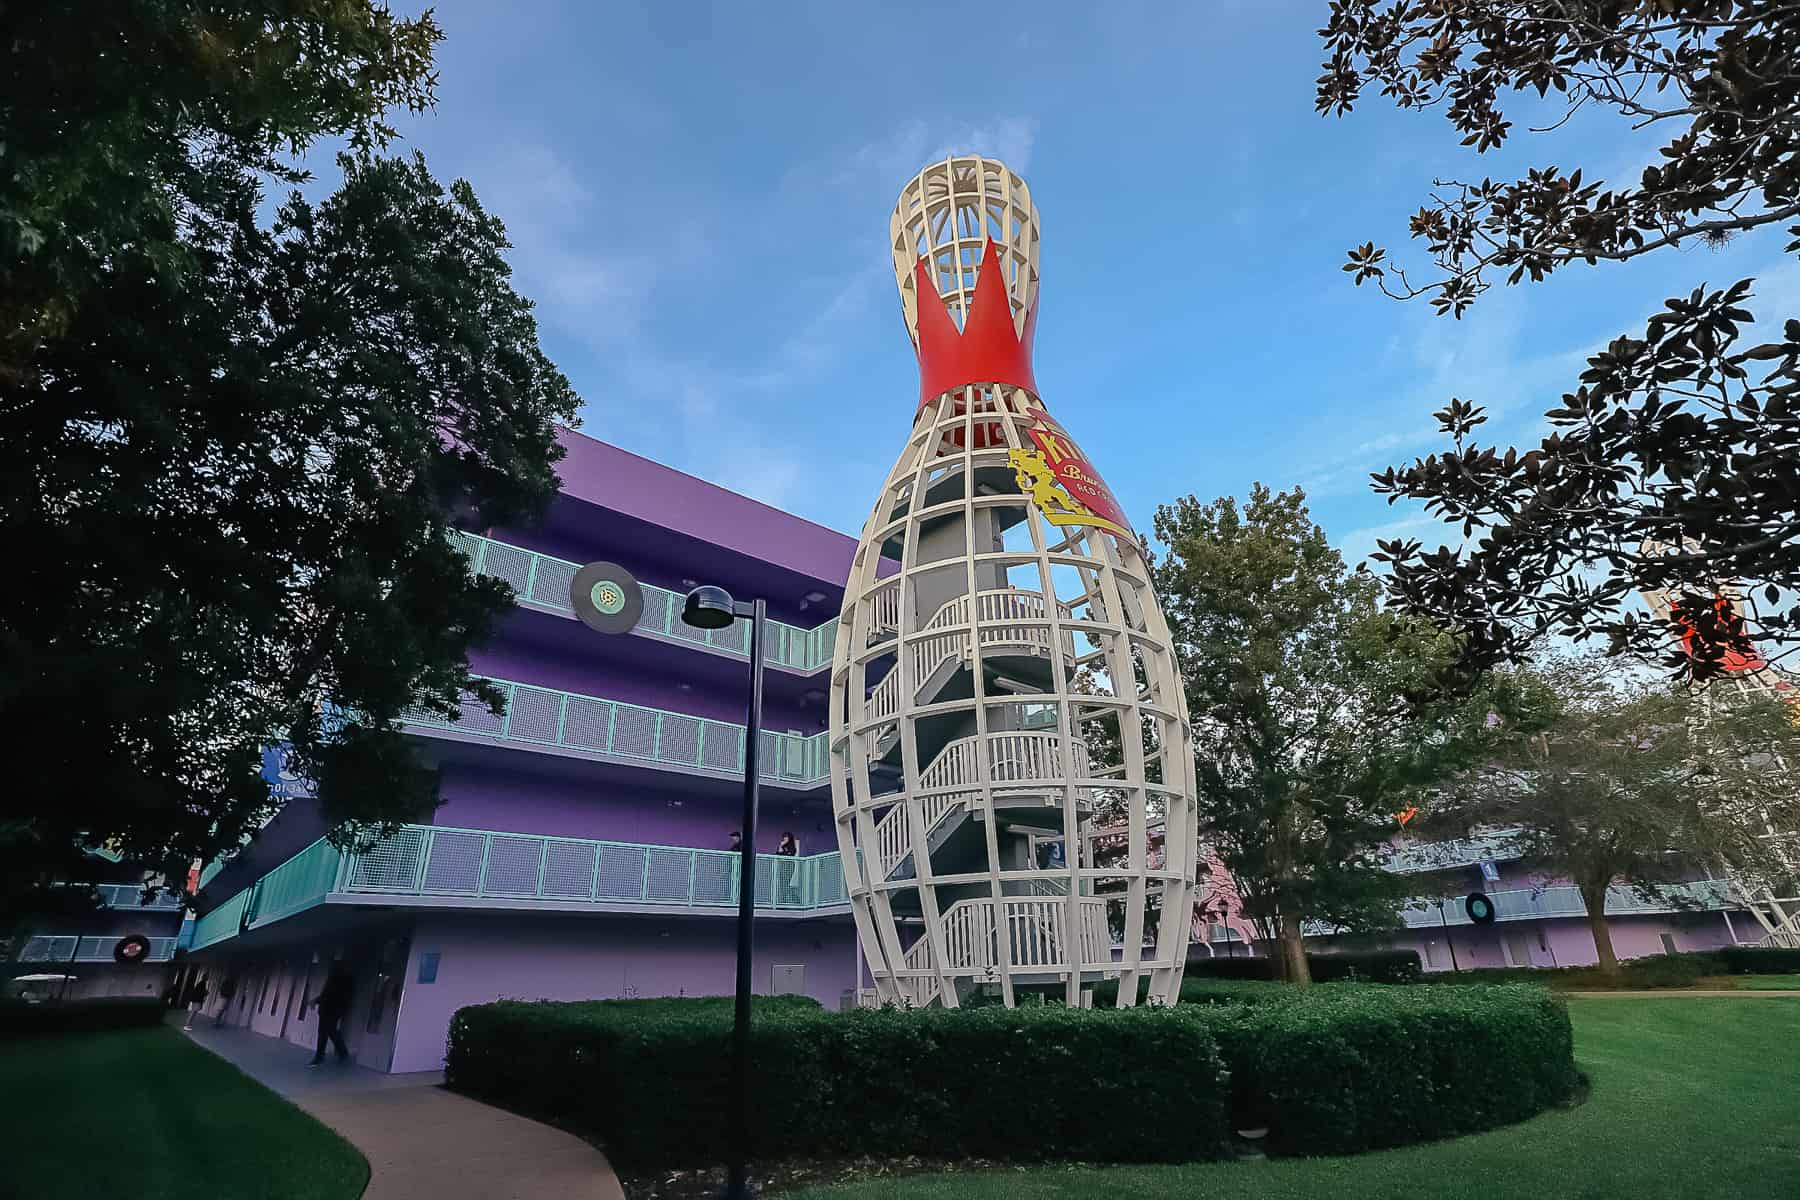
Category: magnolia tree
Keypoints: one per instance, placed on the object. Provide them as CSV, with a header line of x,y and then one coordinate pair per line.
x,y
1317,716
1673,462
238,440
1640,784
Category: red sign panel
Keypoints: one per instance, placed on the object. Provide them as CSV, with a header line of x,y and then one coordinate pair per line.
x,y
1063,484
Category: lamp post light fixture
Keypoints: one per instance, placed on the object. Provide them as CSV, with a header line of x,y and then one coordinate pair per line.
x,y
709,607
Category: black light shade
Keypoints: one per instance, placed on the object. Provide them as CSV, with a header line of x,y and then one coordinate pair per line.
x,y
708,607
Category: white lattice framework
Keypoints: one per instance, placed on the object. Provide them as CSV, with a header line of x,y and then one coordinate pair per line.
x,y
1768,900
981,650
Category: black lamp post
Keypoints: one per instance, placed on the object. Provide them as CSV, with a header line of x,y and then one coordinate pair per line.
x,y
713,608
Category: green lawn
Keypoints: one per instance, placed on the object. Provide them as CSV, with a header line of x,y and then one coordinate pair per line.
x,y
146,1114
1691,1097
1765,983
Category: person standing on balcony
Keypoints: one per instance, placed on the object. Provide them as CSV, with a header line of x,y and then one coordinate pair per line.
x,y
737,842
789,878
333,1003
196,1001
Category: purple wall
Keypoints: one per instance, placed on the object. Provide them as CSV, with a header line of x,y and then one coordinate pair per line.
x,y
663,497
582,664
476,798
275,984
488,957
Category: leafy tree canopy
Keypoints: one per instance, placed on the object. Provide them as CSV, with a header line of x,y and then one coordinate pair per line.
x,y
1672,464
1317,716
1634,782
115,113
238,449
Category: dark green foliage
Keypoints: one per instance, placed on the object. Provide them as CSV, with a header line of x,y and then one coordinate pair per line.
x,y
1758,960
115,114
1316,714
1338,1068
1369,966
18,1019
1361,1068
1670,463
230,505
1201,990
647,1078
1659,971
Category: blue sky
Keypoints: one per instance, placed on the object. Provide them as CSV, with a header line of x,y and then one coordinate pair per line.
x,y
699,193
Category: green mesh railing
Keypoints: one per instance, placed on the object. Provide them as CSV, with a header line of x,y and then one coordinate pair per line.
x,y
1565,901
221,922
479,864
544,581
548,717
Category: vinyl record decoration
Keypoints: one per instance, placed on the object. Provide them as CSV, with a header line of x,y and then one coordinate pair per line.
x,y
1479,908
606,597
131,949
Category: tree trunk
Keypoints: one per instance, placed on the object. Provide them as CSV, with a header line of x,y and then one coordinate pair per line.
x,y
1293,951
1594,900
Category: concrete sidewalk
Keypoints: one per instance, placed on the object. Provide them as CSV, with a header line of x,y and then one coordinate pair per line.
x,y
422,1142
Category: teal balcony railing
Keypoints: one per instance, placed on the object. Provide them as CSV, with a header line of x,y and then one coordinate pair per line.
x,y
1565,901
78,948
1414,857
131,895
543,581
537,716
481,865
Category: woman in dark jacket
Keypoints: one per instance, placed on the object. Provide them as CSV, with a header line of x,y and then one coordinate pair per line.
x,y
788,877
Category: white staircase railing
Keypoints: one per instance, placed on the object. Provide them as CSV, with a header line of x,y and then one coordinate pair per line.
x,y
919,990
1036,935
952,781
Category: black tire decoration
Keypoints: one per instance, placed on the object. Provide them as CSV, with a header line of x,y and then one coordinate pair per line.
x,y
132,949
606,597
1479,908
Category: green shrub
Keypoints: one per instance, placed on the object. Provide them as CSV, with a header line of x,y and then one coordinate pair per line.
x,y
1654,971
19,1019
649,1079
1205,991
1370,966
1758,960
1358,1068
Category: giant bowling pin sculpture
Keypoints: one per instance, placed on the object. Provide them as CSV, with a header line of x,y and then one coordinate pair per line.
x,y
998,623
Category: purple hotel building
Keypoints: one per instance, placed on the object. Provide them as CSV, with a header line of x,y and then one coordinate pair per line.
x,y
581,847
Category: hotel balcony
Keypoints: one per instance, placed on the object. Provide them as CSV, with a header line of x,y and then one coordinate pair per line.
x,y
131,896
574,725
1414,857
1526,904
542,583
81,948
432,866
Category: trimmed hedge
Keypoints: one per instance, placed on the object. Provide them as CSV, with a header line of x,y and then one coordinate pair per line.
x,y
1339,1068
19,1019
1205,991
1349,1068
648,1079
1758,960
1369,966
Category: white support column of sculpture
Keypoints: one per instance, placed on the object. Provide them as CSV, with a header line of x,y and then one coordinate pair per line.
x,y
956,720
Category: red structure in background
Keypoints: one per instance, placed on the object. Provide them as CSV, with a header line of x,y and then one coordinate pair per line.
x,y
987,349
1723,629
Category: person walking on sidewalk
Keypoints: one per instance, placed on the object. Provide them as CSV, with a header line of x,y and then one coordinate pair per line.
x,y
196,1001
333,1003
227,990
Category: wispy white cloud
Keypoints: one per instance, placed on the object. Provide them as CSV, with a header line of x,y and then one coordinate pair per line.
x,y
888,161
